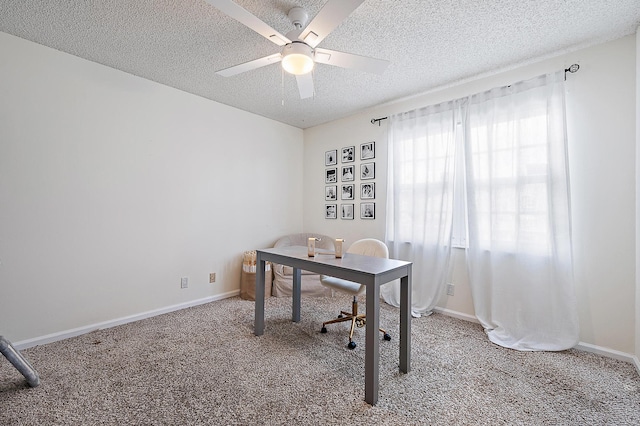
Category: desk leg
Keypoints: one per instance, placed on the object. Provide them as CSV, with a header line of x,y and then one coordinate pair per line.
x,y
295,309
258,324
405,322
372,354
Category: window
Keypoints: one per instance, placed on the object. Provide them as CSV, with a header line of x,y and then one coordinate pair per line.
x,y
508,165
510,174
424,178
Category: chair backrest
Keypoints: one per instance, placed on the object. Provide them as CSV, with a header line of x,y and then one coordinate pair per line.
x,y
369,247
365,247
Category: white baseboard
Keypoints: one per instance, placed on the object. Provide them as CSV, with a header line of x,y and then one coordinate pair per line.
x,y
610,353
456,314
587,347
54,337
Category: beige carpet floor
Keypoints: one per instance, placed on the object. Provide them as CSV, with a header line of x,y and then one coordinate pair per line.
x,y
203,366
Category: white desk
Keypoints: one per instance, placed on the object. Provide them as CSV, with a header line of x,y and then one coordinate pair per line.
x,y
367,270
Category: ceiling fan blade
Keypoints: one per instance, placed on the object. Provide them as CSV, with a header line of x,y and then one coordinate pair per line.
x,y
351,61
305,85
251,65
330,16
245,17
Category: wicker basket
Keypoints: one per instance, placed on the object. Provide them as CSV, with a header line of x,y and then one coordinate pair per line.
x,y
248,277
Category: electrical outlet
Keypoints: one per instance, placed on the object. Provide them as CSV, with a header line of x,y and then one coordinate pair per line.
x,y
450,289
212,277
184,282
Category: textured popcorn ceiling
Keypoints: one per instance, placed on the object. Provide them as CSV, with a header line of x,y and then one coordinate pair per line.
x,y
181,43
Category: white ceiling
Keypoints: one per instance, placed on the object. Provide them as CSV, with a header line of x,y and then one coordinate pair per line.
x,y
181,43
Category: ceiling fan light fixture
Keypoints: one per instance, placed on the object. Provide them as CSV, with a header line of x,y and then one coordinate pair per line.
x,y
297,58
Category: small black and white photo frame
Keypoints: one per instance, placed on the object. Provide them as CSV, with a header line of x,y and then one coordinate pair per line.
x,y
331,193
367,210
331,175
346,211
330,211
347,192
367,151
348,154
331,158
348,173
367,171
368,191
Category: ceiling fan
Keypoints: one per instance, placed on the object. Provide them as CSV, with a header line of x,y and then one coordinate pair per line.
x,y
299,51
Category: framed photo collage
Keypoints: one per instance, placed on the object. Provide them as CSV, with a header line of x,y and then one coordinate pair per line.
x,y
345,182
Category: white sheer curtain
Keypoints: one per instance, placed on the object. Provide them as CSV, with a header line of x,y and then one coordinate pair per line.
x,y
519,255
420,200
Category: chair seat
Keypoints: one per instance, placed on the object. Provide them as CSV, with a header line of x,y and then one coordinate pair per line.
x,y
342,285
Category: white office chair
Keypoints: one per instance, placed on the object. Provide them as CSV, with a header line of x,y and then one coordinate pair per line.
x,y
366,247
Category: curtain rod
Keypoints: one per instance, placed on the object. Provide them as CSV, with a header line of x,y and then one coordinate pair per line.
x,y
572,69
378,120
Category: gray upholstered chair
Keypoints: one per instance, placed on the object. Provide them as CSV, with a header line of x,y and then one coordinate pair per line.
x,y
366,247
283,275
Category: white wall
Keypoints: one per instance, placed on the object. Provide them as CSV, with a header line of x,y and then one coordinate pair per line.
x,y
601,130
113,187
601,118
637,198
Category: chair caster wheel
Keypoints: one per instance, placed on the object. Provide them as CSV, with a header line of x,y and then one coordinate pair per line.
x,y
352,345
340,315
387,336
323,330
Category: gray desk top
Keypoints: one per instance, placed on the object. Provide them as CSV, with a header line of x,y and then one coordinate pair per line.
x,y
327,263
